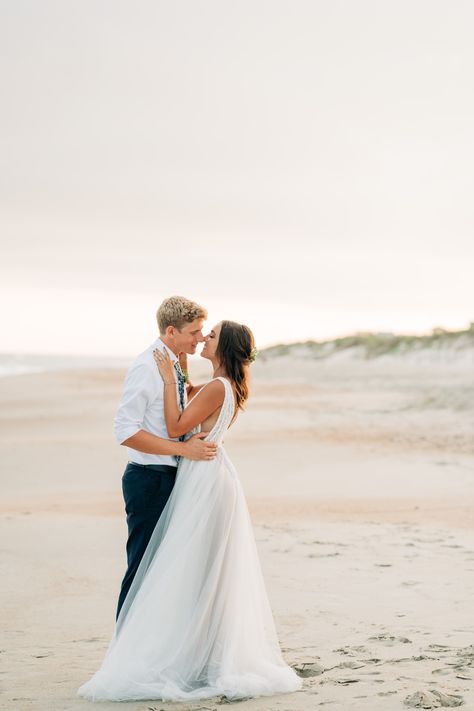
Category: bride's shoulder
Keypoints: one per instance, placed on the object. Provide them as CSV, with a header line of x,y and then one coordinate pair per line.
x,y
208,398
226,383
213,390
216,385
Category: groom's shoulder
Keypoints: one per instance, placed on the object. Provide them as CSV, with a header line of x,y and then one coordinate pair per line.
x,y
144,363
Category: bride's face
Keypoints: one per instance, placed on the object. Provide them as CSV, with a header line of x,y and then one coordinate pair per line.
x,y
211,341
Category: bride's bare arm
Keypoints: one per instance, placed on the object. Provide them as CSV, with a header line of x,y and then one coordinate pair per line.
x,y
210,399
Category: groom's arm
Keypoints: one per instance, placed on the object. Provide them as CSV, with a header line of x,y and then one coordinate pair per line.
x,y
139,388
193,448
138,391
149,443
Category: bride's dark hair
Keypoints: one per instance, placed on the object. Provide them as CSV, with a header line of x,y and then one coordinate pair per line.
x,y
234,351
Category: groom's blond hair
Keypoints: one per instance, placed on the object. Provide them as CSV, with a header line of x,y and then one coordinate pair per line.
x,y
177,311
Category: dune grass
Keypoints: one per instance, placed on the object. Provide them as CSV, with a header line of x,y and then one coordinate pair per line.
x,y
372,345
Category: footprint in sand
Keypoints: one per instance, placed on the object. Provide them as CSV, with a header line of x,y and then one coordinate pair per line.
x,y
323,555
442,671
349,665
346,665
467,653
390,640
450,545
433,699
307,669
385,693
342,682
440,648
464,676
399,660
351,650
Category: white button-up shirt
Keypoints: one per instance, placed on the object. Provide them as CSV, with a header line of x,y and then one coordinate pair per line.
x,y
142,406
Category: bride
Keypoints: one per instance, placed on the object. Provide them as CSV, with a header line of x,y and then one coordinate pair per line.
x,y
196,621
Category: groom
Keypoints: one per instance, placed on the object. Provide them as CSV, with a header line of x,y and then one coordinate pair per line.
x,y
140,426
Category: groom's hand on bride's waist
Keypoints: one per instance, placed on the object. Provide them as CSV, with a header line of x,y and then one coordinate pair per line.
x,y
196,448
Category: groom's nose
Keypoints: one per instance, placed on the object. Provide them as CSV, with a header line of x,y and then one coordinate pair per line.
x,y
201,338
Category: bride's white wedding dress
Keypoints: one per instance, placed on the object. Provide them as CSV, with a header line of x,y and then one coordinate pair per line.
x,y
196,621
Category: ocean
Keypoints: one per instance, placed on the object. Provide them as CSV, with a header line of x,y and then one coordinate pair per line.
x,y
21,364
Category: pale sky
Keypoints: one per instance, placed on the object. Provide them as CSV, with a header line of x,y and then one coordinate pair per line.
x,y
306,168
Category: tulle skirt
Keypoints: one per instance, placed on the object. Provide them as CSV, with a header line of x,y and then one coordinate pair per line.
x,y
197,621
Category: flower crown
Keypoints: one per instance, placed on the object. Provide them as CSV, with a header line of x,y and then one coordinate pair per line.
x,y
253,355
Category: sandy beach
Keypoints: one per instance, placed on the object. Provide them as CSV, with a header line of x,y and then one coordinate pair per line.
x,y
359,477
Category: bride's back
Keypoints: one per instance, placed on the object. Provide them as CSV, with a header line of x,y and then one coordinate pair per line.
x,y
210,421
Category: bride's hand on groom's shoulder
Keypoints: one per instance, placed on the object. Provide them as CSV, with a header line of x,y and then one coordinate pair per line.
x,y
165,366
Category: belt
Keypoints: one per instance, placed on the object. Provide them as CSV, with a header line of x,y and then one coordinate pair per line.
x,y
154,467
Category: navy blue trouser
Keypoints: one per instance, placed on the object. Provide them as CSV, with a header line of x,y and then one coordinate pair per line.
x,y
146,489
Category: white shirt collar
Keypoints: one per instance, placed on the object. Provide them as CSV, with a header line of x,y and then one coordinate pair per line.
x,y
159,344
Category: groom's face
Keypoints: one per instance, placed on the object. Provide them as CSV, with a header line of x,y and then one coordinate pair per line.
x,y
189,336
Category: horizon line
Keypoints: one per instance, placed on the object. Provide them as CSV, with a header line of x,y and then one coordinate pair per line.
x,y
293,342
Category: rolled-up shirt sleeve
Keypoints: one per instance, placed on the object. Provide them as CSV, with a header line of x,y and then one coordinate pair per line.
x,y
139,390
